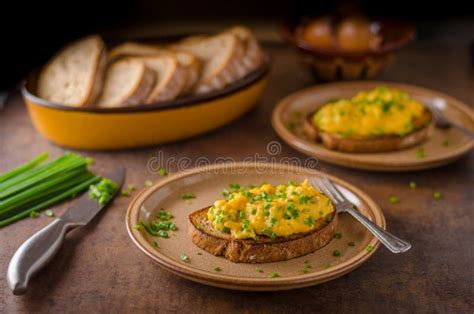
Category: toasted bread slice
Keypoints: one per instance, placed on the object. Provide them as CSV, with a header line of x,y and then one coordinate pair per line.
x,y
189,63
133,49
127,83
423,128
74,77
169,78
252,52
219,56
265,250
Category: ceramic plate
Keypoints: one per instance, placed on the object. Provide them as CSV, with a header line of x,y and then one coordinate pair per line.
x,y
207,183
289,113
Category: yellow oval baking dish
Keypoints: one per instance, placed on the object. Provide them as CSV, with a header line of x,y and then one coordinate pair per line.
x,y
120,128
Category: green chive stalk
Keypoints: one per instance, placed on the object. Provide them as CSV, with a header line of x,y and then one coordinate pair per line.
x,y
31,173
56,169
34,186
58,198
46,187
23,168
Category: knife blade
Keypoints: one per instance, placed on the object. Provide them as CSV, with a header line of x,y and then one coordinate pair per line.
x,y
86,208
39,249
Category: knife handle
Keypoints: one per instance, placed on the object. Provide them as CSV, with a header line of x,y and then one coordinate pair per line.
x,y
36,253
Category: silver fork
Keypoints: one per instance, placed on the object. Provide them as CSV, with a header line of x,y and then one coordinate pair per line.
x,y
343,205
437,107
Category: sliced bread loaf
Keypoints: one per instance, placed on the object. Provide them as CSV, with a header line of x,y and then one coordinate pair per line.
x,y
189,63
252,52
133,49
74,77
170,78
127,83
219,56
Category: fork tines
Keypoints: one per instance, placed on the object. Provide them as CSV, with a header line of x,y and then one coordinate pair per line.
x,y
327,187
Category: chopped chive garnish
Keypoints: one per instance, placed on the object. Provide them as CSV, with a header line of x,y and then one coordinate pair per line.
x,y
162,172
137,227
199,253
258,270
49,213
336,253
148,183
234,186
217,268
273,275
369,248
393,199
163,234
104,190
34,214
184,258
412,185
164,215
309,221
306,267
420,153
337,235
154,243
437,195
159,227
187,196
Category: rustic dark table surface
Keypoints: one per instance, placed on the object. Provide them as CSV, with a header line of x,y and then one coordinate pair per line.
x,y
99,269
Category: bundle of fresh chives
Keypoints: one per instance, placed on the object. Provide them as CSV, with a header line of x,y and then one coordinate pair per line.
x,y
32,187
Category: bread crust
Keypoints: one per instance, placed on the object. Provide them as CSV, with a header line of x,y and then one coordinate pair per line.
x,y
136,94
167,85
265,250
187,61
217,77
423,129
99,79
253,55
168,88
143,90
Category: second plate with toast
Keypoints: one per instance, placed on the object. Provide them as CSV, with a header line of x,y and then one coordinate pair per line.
x,y
380,126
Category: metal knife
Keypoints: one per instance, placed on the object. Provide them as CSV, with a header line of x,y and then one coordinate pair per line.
x,y
40,248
